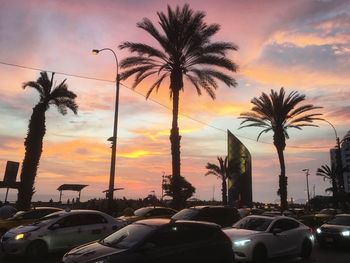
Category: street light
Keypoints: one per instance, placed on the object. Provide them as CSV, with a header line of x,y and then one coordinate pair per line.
x,y
307,184
115,129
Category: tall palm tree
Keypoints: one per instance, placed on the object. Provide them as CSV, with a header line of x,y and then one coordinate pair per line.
x,y
221,172
278,113
330,174
186,52
50,94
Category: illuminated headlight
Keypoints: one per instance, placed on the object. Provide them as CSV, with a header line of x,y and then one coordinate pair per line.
x,y
318,230
241,243
345,233
21,236
312,238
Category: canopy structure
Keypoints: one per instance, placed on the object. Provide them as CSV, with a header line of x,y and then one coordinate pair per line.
x,y
71,187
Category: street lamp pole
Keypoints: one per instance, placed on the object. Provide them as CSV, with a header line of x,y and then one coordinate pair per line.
x,y
115,130
307,184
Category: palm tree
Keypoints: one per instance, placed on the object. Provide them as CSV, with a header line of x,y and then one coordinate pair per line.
x,y
221,172
62,98
186,53
330,174
278,113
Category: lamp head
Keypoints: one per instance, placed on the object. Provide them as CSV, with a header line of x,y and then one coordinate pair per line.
x,y
305,170
95,51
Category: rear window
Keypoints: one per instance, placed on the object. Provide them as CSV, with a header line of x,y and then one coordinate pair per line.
x,y
186,214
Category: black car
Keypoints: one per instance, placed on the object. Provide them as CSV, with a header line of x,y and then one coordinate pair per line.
x,y
222,215
335,232
156,241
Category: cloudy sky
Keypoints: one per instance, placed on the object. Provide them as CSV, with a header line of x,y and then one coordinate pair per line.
x,y
300,45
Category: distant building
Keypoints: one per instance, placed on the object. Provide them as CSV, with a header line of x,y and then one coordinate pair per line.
x,y
240,172
345,157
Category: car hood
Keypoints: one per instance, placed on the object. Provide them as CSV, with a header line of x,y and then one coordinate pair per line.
x,y
236,234
335,227
90,251
24,229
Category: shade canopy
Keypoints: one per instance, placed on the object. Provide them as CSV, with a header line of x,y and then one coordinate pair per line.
x,y
71,187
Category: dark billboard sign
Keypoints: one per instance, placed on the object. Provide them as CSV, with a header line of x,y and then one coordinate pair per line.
x,y
240,172
10,174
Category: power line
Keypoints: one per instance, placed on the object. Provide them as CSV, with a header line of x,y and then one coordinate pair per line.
x,y
154,101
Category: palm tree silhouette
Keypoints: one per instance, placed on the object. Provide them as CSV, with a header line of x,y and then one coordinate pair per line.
x,y
278,113
62,98
330,174
186,52
221,172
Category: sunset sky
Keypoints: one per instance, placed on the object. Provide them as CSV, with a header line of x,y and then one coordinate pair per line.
x,y
302,45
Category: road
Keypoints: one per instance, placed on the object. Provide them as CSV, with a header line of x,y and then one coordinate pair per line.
x,y
318,256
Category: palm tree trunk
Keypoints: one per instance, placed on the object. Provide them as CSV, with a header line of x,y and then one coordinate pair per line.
x,y
335,193
175,151
33,149
279,142
224,191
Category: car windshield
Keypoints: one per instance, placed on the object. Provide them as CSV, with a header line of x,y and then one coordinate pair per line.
x,y
340,220
142,211
185,214
253,223
128,236
45,219
327,211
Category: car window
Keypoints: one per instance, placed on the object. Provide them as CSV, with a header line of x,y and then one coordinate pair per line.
x,y
69,221
91,219
186,214
285,224
160,212
340,220
253,223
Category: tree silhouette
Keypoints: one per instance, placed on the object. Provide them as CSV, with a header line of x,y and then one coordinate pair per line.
x,y
221,172
63,99
278,113
330,174
186,53
186,188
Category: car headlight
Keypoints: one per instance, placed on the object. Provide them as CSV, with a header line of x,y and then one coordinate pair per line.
x,y
21,236
318,230
241,243
345,233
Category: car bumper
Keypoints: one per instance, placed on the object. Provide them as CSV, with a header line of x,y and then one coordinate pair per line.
x,y
14,247
333,240
243,253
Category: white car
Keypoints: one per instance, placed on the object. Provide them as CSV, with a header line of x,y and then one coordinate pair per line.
x,y
59,231
256,238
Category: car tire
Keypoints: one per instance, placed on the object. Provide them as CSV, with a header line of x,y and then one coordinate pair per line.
x,y
259,254
37,249
306,249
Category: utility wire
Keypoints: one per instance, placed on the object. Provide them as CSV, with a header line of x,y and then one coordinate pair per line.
x,y
154,101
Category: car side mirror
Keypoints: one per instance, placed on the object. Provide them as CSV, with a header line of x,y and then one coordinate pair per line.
x,y
276,231
54,226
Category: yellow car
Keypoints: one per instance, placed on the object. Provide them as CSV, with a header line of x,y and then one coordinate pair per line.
x,y
25,218
149,212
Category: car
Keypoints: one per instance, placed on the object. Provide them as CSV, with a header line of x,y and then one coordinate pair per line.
x,y
256,238
156,241
316,220
335,232
58,231
224,216
149,212
25,217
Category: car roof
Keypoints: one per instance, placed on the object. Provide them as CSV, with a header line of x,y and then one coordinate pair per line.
x,y
157,222
78,211
347,215
272,217
211,206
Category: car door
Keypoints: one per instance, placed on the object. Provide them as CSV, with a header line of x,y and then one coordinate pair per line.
x,y
93,226
276,243
65,232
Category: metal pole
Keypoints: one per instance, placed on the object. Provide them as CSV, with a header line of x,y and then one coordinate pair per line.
x,y
307,184
7,192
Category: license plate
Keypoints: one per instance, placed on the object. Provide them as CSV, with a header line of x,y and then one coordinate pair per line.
x,y
329,239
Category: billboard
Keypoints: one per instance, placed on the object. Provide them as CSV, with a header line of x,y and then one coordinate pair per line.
x,y
240,172
10,174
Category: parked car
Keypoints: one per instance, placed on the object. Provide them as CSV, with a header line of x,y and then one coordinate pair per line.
x,y
256,238
158,241
59,231
25,217
149,212
335,232
222,215
316,220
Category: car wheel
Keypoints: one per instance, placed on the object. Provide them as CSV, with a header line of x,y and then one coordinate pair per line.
x,y
259,254
36,249
306,249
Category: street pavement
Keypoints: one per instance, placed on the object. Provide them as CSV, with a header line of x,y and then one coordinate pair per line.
x,y
325,255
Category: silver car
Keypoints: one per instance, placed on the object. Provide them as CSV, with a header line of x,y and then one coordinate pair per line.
x,y
59,231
